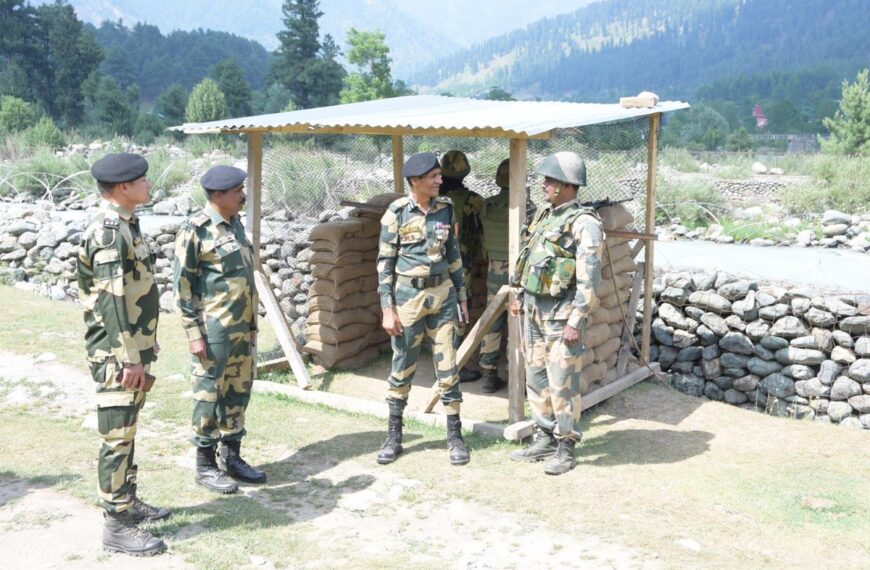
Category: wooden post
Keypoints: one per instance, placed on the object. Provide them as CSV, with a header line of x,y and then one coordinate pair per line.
x,y
651,160
631,319
282,330
516,216
474,338
253,210
398,162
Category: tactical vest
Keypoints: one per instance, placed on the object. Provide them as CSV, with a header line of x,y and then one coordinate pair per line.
x,y
545,267
495,227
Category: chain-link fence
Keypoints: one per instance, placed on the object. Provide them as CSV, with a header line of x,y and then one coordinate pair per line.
x,y
310,174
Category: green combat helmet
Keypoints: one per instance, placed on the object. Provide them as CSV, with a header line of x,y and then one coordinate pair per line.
x,y
565,167
503,174
454,164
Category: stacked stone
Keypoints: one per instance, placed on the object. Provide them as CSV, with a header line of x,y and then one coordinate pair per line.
x,y
344,316
786,351
603,337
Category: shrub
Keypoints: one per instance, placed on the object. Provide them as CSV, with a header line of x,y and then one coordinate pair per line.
x,y
839,183
44,134
679,159
693,202
44,174
16,114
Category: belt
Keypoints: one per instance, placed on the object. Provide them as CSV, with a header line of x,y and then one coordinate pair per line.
x,y
422,282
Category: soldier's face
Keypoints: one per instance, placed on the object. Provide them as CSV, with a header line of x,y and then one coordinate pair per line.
x,y
137,191
428,184
233,200
551,188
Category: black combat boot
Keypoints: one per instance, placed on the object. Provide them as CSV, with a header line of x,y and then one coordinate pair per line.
x,y
143,512
543,446
455,443
209,476
491,381
564,460
120,534
231,463
393,445
466,375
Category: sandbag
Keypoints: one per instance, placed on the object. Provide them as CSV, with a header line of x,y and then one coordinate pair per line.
x,y
615,217
357,360
612,253
592,373
596,335
348,244
336,258
329,335
608,348
329,354
343,318
336,231
362,299
616,330
615,299
342,290
624,265
341,274
607,286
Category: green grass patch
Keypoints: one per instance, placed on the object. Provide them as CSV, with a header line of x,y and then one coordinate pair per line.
x,y
43,174
691,202
679,159
839,183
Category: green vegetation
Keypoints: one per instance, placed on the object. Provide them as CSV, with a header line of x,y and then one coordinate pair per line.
x,y
838,183
850,126
206,103
45,175
693,202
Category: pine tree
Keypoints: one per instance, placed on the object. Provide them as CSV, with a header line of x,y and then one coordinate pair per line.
x,y
850,126
373,80
298,53
230,78
206,103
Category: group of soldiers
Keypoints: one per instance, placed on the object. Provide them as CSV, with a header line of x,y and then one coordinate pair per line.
x,y
427,243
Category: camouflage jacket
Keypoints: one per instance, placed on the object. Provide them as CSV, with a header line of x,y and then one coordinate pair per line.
x,y
418,244
495,224
561,272
117,289
467,206
214,277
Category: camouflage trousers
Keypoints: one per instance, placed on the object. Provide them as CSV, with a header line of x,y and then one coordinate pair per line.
x,y
553,377
425,313
221,390
462,328
490,350
117,414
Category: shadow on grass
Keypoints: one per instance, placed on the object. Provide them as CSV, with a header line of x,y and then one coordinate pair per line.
x,y
13,487
642,447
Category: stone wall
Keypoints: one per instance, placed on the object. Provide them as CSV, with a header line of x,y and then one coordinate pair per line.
x,y
787,351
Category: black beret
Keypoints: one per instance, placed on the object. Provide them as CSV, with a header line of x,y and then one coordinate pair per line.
x,y
118,168
420,164
219,178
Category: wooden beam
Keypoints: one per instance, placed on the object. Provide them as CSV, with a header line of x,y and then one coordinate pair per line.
x,y
474,338
637,247
253,210
651,160
630,235
516,217
614,388
520,430
282,330
398,162
274,364
628,331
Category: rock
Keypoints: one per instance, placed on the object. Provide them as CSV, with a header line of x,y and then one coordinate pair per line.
x,y
689,354
731,360
851,423
724,382
835,230
711,368
662,333
764,299
828,372
788,327
834,217
792,355
824,338
839,307
761,242
693,312
860,370
682,339
808,341
737,289
820,405
838,411
812,388
691,384
861,403
667,357
757,329
710,301
733,372
673,316
706,336
735,397
800,306
167,302
710,352
844,388
761,367
859,325
758,168
842,355
746,309
777,407
736,342
819,318
862,345
675,296
779,294
746,383
778,385
735,322
865,421
824,419
773,342
763,353
805,237
715,323
713,392
773,312
798,371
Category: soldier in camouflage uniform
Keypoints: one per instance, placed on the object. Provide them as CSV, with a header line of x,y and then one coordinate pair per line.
x,y
117,289
217,298
495,242
467,206
557,276
421,288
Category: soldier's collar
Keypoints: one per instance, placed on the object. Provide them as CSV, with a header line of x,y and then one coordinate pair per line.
x,y
214,215
415,204
122,212
565,206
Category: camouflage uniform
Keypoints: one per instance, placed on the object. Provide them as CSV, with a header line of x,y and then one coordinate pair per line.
x,y
215,292
467,206
559,275
117,290
420,274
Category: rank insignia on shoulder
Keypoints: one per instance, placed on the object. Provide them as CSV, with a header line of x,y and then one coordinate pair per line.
x,y
199,219
111,223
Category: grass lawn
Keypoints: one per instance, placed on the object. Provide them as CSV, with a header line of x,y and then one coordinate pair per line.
x,y
664,480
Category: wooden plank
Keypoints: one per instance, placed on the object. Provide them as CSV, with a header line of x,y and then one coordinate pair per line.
x,y
474,338
520,430
398,163
253,210
637,247
516,217
614,388
628,331
282,330
274,364
651,160
628,234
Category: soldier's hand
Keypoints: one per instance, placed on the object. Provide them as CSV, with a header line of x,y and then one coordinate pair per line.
x,y
516,308
133,376
197,348
570,336
391,322
253,338
463,306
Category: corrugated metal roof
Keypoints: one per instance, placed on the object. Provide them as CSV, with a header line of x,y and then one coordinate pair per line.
x,y
423,114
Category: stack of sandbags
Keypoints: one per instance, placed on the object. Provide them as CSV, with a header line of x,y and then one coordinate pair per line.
x,y
605,325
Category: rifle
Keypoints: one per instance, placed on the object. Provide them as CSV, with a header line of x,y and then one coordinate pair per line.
x,y
597,204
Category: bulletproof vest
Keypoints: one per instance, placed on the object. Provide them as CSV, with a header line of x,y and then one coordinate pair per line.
x,y
495,226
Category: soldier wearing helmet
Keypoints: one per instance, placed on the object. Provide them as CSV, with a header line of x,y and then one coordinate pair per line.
x,y
467,205
495,243
557,279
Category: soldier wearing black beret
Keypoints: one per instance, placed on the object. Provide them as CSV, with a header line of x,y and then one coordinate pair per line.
x,y
120,298
422,292
217,299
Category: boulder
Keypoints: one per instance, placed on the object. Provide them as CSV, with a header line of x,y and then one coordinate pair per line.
x,y
788,327
861,403
773,312
706,336
831,217
747,308
807,356
746,383
844,388
675,296
842,355
838,411
731,360
860,370
735,323
737,289
800,306
761,367
713,392
820,318
859,325
828,372
682,339
691,384
735,397
798,371
757,329
778,385
736,342
715,323
710,301
812,388
774,342
808,341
